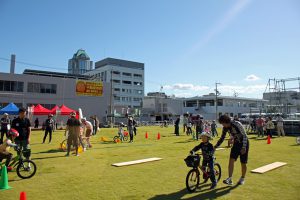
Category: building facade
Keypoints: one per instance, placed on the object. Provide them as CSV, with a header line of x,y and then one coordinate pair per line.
x,y
206,105
49,89
127,83
158,107
80,63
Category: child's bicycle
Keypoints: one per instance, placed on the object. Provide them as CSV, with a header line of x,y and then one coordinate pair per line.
x,y
25,168
193,177
82,142
118,138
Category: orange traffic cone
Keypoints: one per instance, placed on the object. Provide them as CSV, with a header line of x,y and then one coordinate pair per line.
x,y
269,140
158,136
146,135
22,196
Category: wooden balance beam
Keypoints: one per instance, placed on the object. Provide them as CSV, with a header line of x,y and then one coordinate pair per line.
x,y
134,162
268,167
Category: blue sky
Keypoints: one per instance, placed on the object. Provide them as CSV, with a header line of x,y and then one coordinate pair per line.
x,y
186,45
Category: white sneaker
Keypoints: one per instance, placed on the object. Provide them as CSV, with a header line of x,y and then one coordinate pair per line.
x,y
241,181
84,149
228,181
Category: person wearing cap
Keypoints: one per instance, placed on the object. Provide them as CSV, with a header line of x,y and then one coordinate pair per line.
x,y
208,151
22,125
240,147
5,122
73,128
49,124
5,147
130,125
88,130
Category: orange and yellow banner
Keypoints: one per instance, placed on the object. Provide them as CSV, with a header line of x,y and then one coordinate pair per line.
x,y
89,88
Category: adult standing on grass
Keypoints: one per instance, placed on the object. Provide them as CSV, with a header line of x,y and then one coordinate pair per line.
x,y
49,124
73,128
185,122
199,126
260,126
177,126
36,123
269,127
130,126
280,130
22,125
88,130
240,146
5,122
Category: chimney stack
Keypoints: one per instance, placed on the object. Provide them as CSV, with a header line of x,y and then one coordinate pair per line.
x,y
12,63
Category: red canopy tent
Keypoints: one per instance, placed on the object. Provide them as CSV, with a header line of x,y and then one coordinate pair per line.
x,y
53,110
40,110
64,110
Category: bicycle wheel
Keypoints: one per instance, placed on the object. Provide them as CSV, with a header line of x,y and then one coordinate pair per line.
x,y
63,145
218,171
116,138
125,138
298,140
192,180
26,169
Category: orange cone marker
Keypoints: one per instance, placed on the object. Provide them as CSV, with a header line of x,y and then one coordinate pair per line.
x,y
146,135
158,136
269,140
22,196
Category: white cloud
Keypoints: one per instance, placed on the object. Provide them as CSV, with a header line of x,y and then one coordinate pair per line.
x,y
242,90
185,86
252,77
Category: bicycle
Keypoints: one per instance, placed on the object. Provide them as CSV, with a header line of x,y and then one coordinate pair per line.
x,y
117,137
193,177
64,144
25,168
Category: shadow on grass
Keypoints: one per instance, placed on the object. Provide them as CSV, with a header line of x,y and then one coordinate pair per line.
x,y
205,194
49,151
126,145
43,158
186,141
294,145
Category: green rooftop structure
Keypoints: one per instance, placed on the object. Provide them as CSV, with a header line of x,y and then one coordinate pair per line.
x,y
80,63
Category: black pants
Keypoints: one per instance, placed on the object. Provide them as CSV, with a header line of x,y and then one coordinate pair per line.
x,y
269,132
198,131
130,130
95,130
176,129
3,131
7,156
48,130
134,130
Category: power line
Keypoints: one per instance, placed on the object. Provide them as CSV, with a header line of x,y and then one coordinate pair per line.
x,y
31,64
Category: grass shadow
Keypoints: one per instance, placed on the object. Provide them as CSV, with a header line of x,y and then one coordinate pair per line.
x,y
43,158
49,151
205,194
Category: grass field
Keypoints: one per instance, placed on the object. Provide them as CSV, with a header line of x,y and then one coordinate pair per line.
x,y
91,176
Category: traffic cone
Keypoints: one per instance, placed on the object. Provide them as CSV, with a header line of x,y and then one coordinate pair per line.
x,y
158,136
4,179
23,196
269,140
146,135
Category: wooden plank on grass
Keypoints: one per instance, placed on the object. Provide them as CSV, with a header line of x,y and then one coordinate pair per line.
x,y
219,149
268,167
134,162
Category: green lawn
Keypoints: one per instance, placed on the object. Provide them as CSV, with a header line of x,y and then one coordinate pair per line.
x,y
91,176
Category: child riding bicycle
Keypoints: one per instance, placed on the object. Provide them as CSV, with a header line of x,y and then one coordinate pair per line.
x,y
5,147
208,156
121,131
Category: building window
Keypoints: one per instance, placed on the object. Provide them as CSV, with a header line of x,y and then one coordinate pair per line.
x,y
116,73
41,88
116,81
11,86
138,83
126,82
117,90
117,98
138,91
126,74
138,76
137,99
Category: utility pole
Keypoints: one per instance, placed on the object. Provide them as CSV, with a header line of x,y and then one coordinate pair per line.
x,y
111,98
216,104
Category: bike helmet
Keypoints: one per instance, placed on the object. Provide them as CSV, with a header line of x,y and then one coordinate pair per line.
x,y
13,132
206,134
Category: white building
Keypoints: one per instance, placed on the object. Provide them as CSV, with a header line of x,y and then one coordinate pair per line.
x,y
158,106
80,63
127,79
205,105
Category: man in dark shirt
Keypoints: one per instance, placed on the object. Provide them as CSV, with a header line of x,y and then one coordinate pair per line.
x,y
22,125
49,124
73,129
240,146
5,121
177,126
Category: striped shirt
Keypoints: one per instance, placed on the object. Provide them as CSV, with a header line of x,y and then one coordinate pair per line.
x,y
237,131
